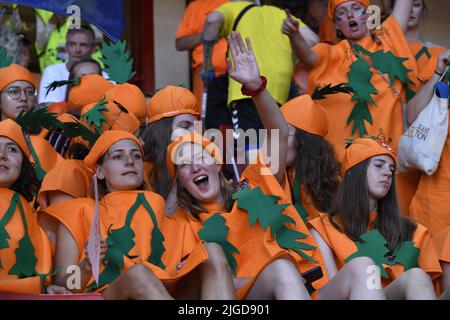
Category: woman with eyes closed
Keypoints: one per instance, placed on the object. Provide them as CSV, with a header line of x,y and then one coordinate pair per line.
x,y
145,254
366,221
172,112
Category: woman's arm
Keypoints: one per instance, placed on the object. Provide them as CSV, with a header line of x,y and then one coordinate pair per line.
x,y
188,42
402,12
425,93
327,254
246,72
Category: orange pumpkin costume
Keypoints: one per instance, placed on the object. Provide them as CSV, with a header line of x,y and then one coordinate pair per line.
x,y
192,23
256,247
131,97
172,101
15,72
137,221
302,113
441,243
25,254
333,65
92,88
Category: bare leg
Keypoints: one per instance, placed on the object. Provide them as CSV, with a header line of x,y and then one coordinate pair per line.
x,y
352,282
414,284
280,280
137,283
445,281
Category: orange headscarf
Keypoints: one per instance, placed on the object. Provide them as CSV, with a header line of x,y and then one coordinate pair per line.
x,y
117,119
92,88
104,142
131,97
15,72
363,149
192,137
12,130
333,4
304,114
170,102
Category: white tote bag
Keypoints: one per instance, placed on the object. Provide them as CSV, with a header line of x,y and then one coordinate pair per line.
x,y
421,145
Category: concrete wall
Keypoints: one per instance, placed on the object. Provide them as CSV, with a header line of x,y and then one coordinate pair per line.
x,y
437,23
171,66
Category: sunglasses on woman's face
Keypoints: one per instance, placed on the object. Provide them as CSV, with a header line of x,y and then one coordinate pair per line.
x,y
15,93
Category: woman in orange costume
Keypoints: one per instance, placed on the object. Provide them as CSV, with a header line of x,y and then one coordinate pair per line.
x,y
18,93
373,104
25,257
267,262
172,111
142,246
367,222
430,203
441,243
312,168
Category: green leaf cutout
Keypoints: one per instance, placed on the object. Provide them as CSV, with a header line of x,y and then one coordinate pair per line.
x,y
320,93
392,65
95,117
407,255
34,119
60,83
116,58
5,60
215,231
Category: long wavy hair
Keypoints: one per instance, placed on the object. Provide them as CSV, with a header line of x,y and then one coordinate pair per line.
x,y
353,207
27,184
318,169
156,137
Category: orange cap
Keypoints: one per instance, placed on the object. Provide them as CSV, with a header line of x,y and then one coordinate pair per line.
x,y
131,97
104,142
333,4
363,149
192,137
117,119
12,130
15,72
170,102
58,107
92,88
304,114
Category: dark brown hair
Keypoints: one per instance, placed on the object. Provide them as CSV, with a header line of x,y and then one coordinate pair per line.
x,y
27,185
318,169
156,137
352,206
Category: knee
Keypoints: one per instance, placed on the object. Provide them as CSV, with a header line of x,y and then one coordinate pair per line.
x,y
360,267
416,276
139,273
216,256
284,271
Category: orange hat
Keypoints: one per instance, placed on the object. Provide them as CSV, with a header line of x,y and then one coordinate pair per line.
x,y
131,97
12,130
104,142
15,72
117,119
192,137
304,114
363,149
92,88
333,4
170,102
58,107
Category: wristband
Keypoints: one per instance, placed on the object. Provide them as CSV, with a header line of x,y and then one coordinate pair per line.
x,y
208,42
439,74
252,93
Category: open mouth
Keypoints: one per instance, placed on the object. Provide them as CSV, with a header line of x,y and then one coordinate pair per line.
x,y
128,173
201,181
353,25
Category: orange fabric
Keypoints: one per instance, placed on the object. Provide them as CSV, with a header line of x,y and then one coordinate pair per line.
x,y
327,31
47,155
257,247
431,202
113,211
343,247
307,202
333,4
363,149
334,63
131,97
426,66
41,244
302,113
171,101
58,107
70,177
116,119
15,72
103,143
406,185
192,23
12,130
441,243
92,88
192,137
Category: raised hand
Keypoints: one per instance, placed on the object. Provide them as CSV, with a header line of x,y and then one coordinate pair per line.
x,y
245,69
290,25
